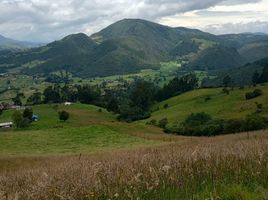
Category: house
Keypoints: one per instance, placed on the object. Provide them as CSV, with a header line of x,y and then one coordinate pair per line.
x,y
6,125
35,118
67,103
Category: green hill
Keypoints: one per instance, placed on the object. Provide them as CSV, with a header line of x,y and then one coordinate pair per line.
x,y
131,45
211,101
14,45
88,130
216,57
254,51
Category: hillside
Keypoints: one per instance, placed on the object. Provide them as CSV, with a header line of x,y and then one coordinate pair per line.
x,y
10,44
131,45
211,101
216,57
87,130
240,75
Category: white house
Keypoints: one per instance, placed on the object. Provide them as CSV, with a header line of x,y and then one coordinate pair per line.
x,y
6,125
67,103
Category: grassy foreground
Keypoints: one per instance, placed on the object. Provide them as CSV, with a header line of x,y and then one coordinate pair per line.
x,y
231,167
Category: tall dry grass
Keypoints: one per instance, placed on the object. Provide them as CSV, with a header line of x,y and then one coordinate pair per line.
x,y
175,171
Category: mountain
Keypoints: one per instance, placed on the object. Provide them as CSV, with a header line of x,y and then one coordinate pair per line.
x,y
216,57
131,45
240,75
10,44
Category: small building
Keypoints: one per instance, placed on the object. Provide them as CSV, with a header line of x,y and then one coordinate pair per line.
x,y
35,118
67,103
6,125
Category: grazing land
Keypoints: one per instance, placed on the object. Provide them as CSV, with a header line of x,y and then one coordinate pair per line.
x,y
212,101
88,130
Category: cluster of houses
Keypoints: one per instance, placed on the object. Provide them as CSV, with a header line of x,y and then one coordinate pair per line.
x,y
7,106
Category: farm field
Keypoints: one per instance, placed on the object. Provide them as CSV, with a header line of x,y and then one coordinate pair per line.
x,y
212,101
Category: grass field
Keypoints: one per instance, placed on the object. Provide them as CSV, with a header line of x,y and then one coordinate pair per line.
x,y
88,130
233,167
219,105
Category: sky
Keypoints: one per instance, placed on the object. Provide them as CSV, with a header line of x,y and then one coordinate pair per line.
x,y
49,20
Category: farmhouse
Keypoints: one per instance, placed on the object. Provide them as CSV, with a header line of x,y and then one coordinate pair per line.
x,y
67,103
6,125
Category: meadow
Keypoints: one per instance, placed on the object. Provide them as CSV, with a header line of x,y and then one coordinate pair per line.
x,y
224,167
88,130
212,101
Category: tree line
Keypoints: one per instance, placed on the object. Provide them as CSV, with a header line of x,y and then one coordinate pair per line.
x,y
130,103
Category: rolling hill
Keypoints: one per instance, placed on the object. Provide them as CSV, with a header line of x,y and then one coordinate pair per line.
x,y
131,45
10,44
212,101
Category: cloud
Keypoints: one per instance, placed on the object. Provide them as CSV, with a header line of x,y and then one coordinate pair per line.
x,y
253,27
47,20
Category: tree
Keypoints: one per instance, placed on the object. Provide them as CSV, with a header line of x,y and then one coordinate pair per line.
x,y
28,113
255,78
177,86
142,95
264,75
88,94
63,115
35,99
16,100
52,94
113,105
19,121
226,81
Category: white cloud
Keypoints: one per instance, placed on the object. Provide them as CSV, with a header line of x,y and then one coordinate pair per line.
x,y
46,20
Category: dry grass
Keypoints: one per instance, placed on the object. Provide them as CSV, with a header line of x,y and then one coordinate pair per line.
x,y
198,168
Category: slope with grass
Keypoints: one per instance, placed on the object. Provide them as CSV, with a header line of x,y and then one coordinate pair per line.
x,y
212,101
88,130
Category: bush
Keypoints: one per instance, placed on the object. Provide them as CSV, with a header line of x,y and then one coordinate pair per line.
x,y
163,123
166,106
198,118
19,121
28,113
234,126
132,113
152,122
200,124
254,94
64,116
254,122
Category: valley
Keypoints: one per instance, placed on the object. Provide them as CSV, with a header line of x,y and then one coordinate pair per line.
x,y
137,110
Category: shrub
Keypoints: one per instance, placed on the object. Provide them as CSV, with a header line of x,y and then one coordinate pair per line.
x,y
254,122
63,115
200,124
152,122
207,98
198,118
166,106
163,123
28,113
254,94
19,121
234,126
